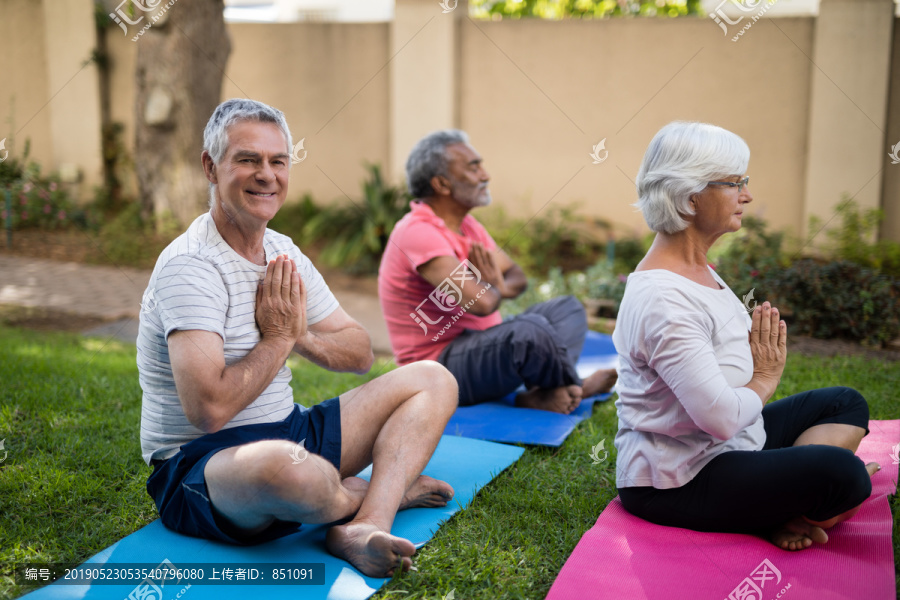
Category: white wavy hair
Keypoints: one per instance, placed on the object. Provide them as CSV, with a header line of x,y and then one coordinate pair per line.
x,y
682,159
215,136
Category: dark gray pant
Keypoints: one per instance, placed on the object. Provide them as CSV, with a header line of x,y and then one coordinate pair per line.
x,y
538,348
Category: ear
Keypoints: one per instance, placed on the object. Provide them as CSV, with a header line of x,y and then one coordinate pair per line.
x,y
209,167
440,185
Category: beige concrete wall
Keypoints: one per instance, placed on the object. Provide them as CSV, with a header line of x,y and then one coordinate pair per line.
x,y
535,109
23,81
890,228
534,95
849,104
328,79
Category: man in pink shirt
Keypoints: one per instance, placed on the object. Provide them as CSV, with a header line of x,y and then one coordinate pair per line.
x,y
441,282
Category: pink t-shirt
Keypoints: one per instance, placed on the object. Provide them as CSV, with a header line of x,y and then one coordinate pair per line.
x,y
422,319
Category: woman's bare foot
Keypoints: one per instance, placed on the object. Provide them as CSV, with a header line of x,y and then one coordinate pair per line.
x,y
559,400
798,534
599,382
427,492
369,549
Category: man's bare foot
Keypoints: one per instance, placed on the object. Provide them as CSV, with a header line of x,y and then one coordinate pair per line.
x,y
599,382
427,492
369,549
559,400
798,534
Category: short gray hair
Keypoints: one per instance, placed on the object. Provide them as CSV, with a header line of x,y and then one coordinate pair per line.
x,y
428,158
682,159
215,136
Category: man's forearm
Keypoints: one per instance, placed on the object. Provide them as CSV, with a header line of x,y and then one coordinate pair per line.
x,y
237,387
349,349
515,283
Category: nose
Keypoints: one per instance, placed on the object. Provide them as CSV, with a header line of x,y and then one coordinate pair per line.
x,y
746,197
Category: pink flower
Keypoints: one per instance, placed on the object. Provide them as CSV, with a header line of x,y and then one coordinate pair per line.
x,y
27,188
3,214
47,209
622,278
61,215
44,194
52,186
24,216
24,200
754,273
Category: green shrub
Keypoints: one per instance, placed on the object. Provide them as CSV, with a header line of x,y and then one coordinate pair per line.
x,y
37,201
293,217
840,299
557,237
355,235
598,282
854,239
748,259
127,239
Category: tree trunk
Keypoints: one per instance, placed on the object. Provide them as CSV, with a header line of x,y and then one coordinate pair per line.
x,y
180,65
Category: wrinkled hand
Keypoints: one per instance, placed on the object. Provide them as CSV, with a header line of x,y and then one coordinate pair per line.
x,y
768,343
281,301
487,266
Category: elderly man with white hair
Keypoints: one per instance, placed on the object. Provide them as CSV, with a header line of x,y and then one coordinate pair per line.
x,y
442,280
698,445
235,459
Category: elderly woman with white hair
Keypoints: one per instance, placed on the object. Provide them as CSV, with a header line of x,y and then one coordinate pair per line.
x,y
698,445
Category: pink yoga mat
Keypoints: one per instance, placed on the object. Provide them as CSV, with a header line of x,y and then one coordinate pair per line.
x,y
623,557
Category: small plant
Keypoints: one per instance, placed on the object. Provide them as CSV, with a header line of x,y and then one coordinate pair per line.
x,y
854,239
840,299
559,237
356,235
37,201
747,259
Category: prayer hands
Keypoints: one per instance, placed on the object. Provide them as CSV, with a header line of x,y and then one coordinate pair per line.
x,y
484,261
281,301
768,343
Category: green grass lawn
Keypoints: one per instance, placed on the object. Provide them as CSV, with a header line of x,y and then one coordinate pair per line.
x,y
73,480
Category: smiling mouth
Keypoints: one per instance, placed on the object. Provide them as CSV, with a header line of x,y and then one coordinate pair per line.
x,y
261,194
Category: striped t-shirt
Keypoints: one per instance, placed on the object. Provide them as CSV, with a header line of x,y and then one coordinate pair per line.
x,y
200,282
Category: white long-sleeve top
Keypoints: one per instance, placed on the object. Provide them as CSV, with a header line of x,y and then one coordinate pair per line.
x,y
684,359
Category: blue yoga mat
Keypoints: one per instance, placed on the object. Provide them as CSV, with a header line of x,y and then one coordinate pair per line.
x,y
501,421
466,464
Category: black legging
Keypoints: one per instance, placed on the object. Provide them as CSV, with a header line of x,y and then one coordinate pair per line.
x,y
752,491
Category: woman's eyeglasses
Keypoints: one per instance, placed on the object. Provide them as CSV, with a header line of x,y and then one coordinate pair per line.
x,y
738,184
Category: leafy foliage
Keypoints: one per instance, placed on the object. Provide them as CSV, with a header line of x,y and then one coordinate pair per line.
x,y
746,259
583,9
841,299
558,237
356,235
37,201
854,239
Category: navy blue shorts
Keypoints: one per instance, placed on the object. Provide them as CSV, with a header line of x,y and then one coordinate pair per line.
x,y
178,487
